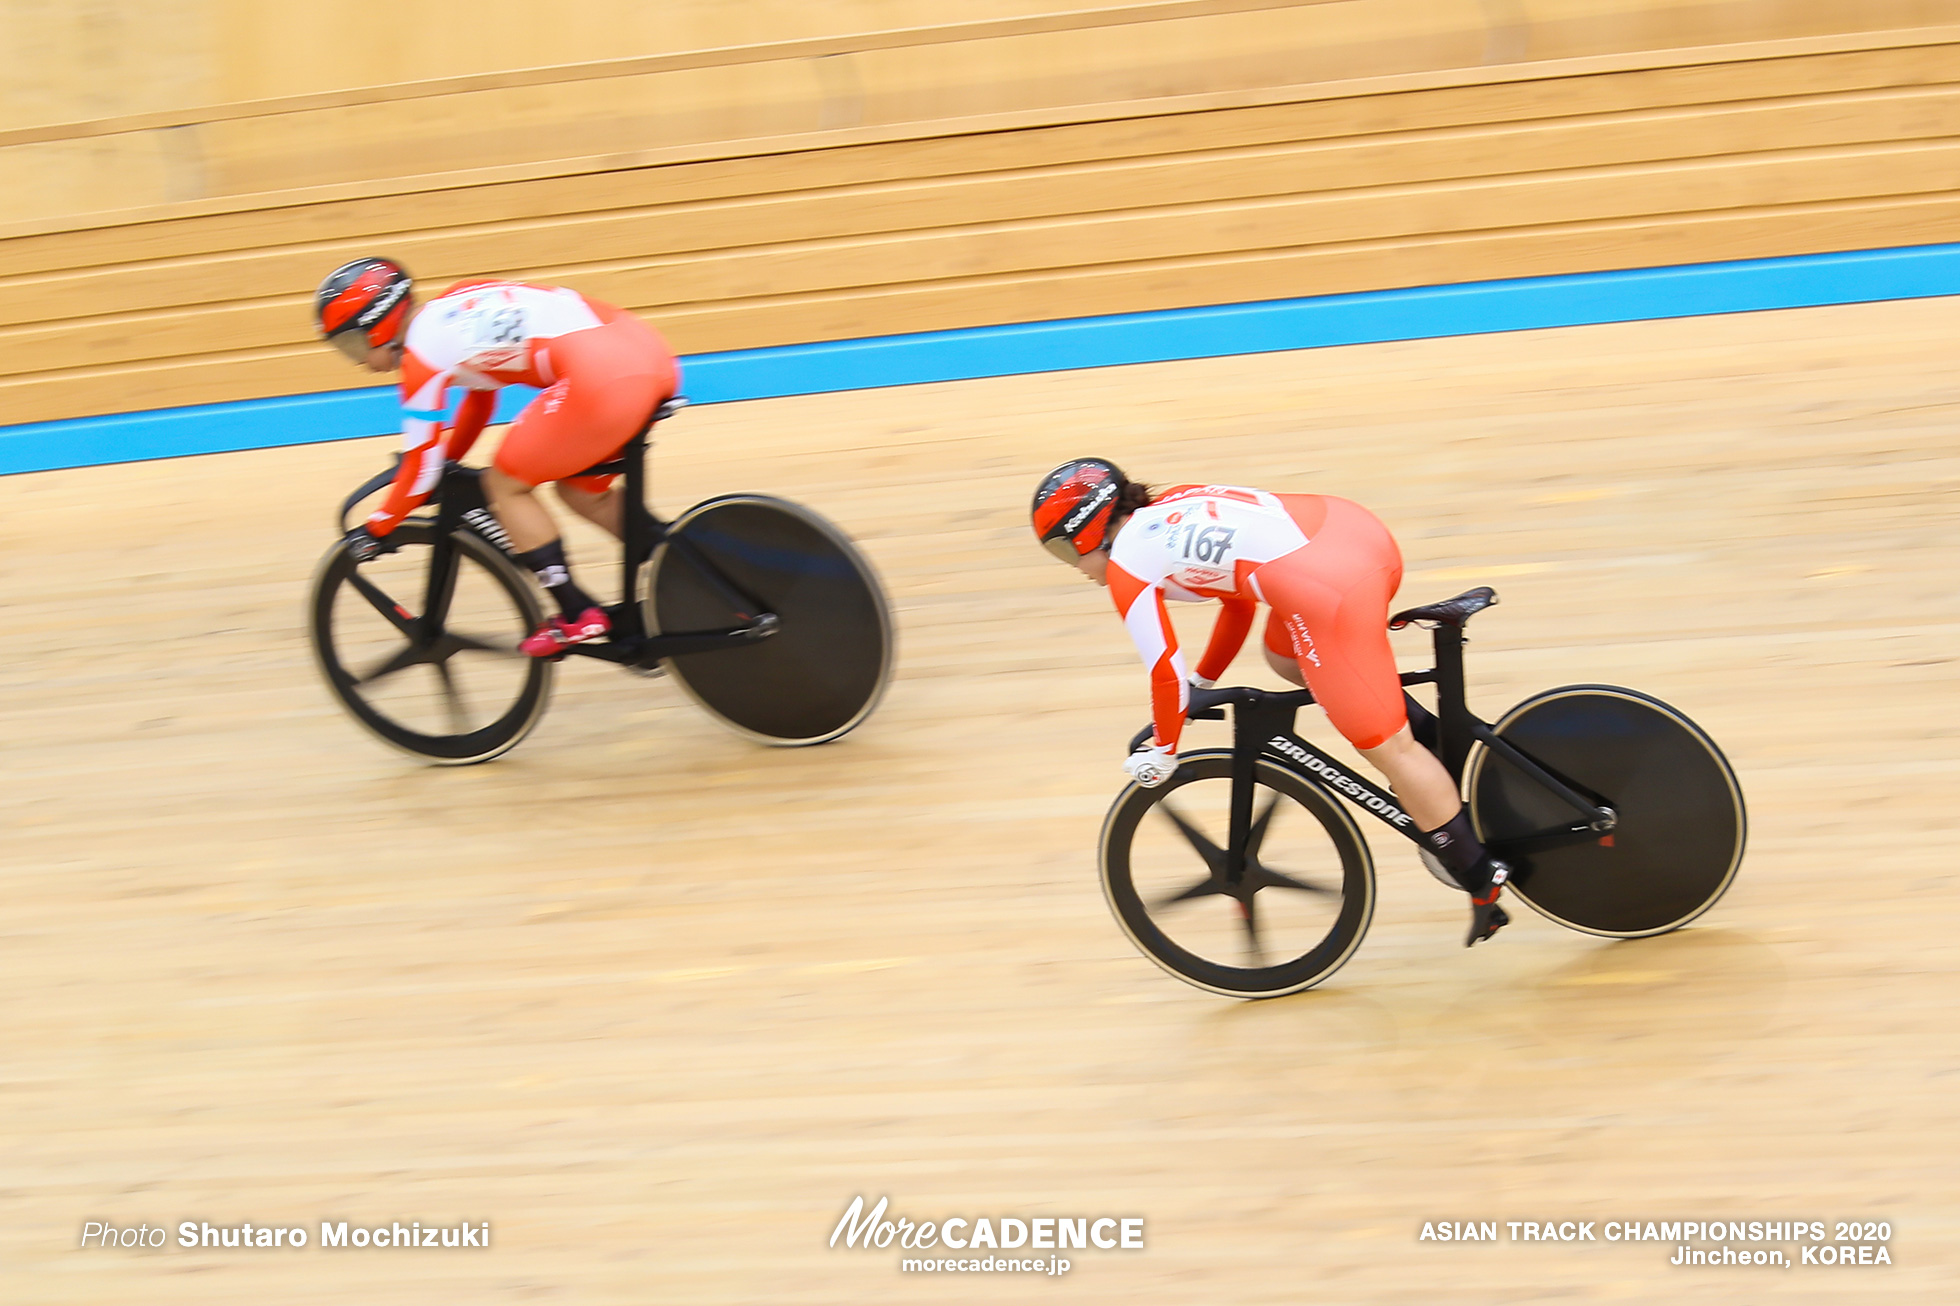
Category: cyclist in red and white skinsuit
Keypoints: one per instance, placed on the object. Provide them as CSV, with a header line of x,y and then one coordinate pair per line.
x,y
1327,567
602,372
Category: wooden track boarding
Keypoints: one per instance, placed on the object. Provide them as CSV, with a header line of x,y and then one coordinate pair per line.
x,y
656,1004
992,172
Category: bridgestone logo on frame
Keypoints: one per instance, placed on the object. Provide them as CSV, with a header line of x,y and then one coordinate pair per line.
x,y
1341,781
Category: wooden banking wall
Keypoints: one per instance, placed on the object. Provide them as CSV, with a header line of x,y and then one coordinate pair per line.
x,y
896,223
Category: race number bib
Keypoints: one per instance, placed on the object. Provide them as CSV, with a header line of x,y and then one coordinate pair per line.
x,y
1202,555
496,335
1195,542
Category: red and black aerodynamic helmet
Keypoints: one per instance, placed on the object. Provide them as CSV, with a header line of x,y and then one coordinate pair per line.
x,y
362,305
1074,506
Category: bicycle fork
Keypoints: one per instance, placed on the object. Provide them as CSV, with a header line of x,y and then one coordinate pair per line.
x,y
1252,724
443,567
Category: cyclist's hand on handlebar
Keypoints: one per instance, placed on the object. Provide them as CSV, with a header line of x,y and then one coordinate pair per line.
x,y
365,546
1151,765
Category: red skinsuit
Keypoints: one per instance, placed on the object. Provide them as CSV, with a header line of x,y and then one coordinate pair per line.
x,y
602,371
1327,566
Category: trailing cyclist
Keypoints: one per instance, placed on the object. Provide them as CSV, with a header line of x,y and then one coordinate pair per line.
x,y
602,372
1328,569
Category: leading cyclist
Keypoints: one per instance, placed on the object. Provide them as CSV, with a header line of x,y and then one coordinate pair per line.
x,y
602,371
1326,566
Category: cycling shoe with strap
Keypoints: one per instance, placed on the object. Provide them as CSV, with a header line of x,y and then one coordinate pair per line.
x,y
1486,917
560,633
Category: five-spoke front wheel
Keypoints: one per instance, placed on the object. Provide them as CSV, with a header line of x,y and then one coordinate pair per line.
x,y
423,651
1280,922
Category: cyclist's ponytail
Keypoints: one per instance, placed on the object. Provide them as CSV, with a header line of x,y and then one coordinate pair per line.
x,y
1133,495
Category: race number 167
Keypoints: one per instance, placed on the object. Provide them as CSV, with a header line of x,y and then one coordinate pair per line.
x,y
1208,544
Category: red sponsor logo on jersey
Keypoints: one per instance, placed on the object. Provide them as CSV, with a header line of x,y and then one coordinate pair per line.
x,y
1232,492
1303,649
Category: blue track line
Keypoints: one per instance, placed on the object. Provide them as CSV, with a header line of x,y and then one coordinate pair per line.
x,y
1473,308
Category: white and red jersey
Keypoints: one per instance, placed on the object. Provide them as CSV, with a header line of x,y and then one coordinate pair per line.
x,y
1194,543
477,336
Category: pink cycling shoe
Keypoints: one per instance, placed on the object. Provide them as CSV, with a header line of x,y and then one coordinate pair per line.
x,y
559,634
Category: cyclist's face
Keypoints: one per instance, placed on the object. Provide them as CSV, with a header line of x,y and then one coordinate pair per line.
x,y
384,358
376,358
1095,564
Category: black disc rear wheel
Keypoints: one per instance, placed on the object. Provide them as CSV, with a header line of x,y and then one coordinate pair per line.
x,y
826,665
1680,818
461,692
1294,917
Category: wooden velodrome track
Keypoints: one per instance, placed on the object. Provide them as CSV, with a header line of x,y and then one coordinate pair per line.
x,y
658,1003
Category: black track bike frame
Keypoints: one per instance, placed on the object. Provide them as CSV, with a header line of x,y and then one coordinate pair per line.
x,y
460,505
1262,727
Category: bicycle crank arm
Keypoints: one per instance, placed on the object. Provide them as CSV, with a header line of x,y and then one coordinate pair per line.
x,y
652,649
705,641
1565,836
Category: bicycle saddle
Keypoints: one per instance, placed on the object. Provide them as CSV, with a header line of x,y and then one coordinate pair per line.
x,y
1450,612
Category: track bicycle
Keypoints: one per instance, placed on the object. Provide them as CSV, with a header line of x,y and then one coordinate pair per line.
x,y
763,612
1618,817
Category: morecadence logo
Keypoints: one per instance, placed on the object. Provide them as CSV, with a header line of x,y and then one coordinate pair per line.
x,y
982,1237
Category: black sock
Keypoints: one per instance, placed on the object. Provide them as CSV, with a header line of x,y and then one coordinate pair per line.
x,y
1456,846
547,563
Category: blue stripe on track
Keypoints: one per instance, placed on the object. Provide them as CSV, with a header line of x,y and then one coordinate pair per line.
x,y
1427,312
